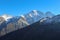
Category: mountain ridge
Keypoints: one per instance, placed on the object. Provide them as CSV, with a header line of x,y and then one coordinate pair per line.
x,y
18,22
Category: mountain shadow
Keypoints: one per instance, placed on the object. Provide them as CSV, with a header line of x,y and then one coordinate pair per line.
x,y
35,31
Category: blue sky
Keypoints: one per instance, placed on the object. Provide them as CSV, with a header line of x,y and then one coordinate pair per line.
x,y
18,7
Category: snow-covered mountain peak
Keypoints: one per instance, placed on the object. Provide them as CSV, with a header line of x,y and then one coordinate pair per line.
x,y
49,14
35,12
6,17
22,16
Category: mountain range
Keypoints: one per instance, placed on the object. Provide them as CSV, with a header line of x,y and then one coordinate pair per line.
x,y
36,31
12,23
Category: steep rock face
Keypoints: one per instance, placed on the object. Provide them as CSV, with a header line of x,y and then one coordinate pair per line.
x,y
10,27
2,25
12,24
2,22
22,22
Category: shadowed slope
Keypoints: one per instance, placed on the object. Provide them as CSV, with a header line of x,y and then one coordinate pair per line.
x,y
35,32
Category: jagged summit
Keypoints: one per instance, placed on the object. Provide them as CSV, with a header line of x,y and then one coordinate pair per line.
x,y
23,16
6,17
35,12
